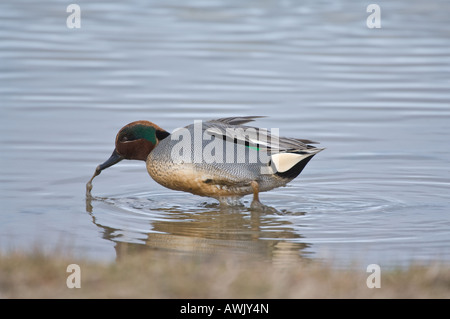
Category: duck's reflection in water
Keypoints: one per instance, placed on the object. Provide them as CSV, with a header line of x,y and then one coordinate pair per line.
x,y
209,229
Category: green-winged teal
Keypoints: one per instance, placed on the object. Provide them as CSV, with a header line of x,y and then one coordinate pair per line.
x,y
219,158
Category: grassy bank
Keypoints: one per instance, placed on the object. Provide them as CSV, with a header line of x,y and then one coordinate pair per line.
x,y
159,275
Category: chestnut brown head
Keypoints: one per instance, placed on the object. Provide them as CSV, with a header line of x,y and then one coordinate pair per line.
x,y
134,142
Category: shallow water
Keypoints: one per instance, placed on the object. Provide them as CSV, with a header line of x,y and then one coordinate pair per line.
x,y
377,99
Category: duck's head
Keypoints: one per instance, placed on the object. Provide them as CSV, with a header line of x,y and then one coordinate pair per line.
x,y
133,142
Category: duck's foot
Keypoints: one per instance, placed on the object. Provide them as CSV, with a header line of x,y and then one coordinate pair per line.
x,y
256,205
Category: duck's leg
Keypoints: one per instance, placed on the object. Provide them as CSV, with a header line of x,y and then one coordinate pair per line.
x,y
256,204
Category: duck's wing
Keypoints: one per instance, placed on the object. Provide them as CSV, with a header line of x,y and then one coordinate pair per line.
x,y
231,129
236,120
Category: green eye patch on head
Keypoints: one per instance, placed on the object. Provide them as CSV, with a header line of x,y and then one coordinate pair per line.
x,y
137,132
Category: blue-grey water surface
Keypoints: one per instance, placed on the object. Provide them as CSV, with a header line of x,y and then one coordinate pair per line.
x,y
377,99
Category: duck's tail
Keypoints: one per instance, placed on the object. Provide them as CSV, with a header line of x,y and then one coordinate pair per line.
x,y
290,164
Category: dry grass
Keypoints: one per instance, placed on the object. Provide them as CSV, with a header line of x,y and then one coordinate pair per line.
x,y
160,275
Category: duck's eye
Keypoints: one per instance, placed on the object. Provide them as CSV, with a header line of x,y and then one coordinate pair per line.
x,y
127,135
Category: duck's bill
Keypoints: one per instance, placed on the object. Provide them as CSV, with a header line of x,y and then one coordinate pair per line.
x,y
113,159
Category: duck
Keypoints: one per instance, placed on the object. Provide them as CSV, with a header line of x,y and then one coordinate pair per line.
x,y
220,158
